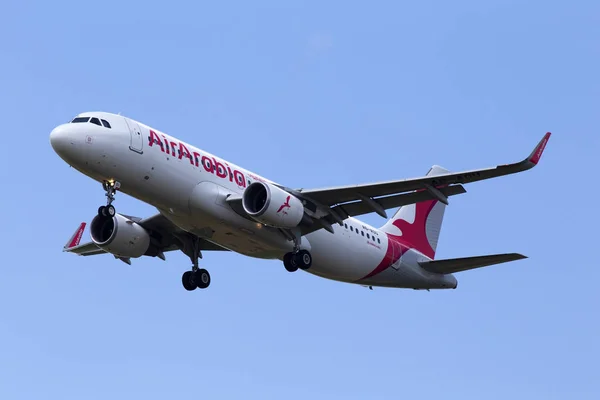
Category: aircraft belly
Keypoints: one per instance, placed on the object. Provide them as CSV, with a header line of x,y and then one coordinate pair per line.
x,y
346,257
408,274
210,216
341,256
401,278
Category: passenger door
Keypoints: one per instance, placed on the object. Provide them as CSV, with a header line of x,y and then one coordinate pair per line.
x,y
137,139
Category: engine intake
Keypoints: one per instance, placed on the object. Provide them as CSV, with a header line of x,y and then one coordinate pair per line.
x,y
120,236
272,206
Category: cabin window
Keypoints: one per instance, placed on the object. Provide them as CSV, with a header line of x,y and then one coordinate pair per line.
x,y
105,123
80,119
95,121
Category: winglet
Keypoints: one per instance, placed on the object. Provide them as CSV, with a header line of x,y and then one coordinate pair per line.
x,y
536,154
76,238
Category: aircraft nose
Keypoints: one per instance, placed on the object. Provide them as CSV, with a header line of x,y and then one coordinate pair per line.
x,y
61,140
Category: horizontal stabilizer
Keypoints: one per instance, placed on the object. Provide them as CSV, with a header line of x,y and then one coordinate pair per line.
x,y
453,265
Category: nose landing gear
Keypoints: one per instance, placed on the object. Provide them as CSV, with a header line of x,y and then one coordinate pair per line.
x,y
110,187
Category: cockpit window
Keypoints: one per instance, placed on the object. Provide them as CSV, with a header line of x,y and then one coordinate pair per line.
x,y
93,120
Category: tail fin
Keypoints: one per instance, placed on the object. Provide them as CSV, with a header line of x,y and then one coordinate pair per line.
x,y
418,225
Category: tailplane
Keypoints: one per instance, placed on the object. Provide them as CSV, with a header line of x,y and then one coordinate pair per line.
x,y
418,225
454,265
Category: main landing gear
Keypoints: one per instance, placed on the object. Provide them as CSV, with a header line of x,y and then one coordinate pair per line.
x,y
110,187
193,279
297,259
197,277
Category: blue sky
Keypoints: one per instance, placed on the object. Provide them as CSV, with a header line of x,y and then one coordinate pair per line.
x,y
308,94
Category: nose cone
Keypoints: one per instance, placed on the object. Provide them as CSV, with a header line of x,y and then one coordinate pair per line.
x,y
63,141
59,139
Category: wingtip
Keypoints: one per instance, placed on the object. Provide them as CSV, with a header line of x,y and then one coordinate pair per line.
x,y
536,154
76,238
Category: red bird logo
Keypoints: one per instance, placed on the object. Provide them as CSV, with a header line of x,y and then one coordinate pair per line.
x,y
284,205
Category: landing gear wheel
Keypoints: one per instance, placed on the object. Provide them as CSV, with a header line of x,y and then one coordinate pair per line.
x,y
109,210
202,278
188,281
288,263
101,211
303,259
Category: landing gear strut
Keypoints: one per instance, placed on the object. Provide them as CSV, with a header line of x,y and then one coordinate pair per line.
x,y
297,258
110,187
197,277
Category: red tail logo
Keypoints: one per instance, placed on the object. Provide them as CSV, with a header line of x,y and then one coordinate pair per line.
x,y
284,205
414,235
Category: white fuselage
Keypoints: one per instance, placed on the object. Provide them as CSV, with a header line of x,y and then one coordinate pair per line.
x,y
192,191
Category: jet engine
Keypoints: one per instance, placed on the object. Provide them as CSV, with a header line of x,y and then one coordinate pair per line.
x,y
120,236
272,206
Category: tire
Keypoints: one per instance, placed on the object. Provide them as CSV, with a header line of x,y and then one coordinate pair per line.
x,y
110,211
187,281
101,211
202,278
303,259
287,263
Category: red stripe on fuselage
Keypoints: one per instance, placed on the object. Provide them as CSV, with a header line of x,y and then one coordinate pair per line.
x,y
414,236
394,251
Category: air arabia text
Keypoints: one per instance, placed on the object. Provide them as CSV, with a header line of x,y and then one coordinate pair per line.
x,y
210,164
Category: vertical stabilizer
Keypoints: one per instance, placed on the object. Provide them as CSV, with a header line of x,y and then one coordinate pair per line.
x,y
418,225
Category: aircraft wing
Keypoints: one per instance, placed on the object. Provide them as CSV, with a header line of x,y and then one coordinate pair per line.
x,y
344,194
165,236
327,206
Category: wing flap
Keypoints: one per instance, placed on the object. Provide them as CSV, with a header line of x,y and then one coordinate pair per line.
x,y
453,265
362,207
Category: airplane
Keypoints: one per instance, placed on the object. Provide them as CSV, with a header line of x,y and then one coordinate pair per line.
x,y
206,204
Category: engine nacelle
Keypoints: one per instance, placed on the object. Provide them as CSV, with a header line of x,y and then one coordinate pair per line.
x,y
272,206
119,236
